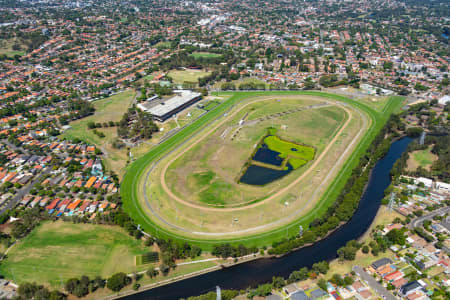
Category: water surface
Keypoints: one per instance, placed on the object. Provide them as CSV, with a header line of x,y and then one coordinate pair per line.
x,y
262,270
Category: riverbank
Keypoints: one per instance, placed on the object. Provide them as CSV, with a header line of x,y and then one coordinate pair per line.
x,y
130,291
260,271
383,217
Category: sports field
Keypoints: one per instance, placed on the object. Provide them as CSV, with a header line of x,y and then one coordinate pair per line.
x,y
107,109
57,251
296,199
181,76
205,55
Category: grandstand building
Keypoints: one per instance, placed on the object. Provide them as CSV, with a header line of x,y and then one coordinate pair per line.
x,y
163,110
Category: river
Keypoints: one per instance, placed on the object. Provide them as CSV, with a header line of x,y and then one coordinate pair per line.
x,y
262,270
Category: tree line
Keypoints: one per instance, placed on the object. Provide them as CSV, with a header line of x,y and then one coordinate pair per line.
x,y
348,199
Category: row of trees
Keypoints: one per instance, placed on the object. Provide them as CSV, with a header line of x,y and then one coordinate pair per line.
x,y
83,286
348,199
171,251
227,250
34,291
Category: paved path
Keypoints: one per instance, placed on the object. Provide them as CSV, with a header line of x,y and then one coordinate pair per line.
x,y
184,263
381,290
419,221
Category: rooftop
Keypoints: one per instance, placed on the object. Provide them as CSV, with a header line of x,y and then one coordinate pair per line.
x,y
182,97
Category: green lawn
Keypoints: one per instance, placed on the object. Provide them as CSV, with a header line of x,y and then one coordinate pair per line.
x,y
57,251
6,47
288,149
424,157
210,105
205,55
107,109
129,186
181,76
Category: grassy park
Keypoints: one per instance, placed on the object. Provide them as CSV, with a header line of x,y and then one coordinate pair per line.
x,y
107,109
197,55
6,47
421,158
188,75
131,192
57,251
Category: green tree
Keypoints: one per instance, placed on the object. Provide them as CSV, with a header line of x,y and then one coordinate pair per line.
x,y
117,281
338,280
322,284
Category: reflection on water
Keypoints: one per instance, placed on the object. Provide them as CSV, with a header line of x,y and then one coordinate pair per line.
x,y
265,155
258,175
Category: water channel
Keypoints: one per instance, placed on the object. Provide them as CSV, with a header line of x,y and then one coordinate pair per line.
x,y
262,270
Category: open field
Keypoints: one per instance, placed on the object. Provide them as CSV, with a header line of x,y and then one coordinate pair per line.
x,y
188,75
180,272
6,47
132,190
221,155
107,109
421,158
243,80
205,55
57,251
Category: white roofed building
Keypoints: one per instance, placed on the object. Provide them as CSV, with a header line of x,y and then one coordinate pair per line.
x,y
164,110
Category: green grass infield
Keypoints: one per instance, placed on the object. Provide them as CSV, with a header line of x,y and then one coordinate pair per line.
x,y
129,186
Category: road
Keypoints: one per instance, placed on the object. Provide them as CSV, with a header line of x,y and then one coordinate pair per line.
x,y
381,290
14,147
24,191
419,221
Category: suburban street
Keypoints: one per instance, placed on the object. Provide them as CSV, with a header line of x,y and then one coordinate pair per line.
x,y
23,191
418,221
381,290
